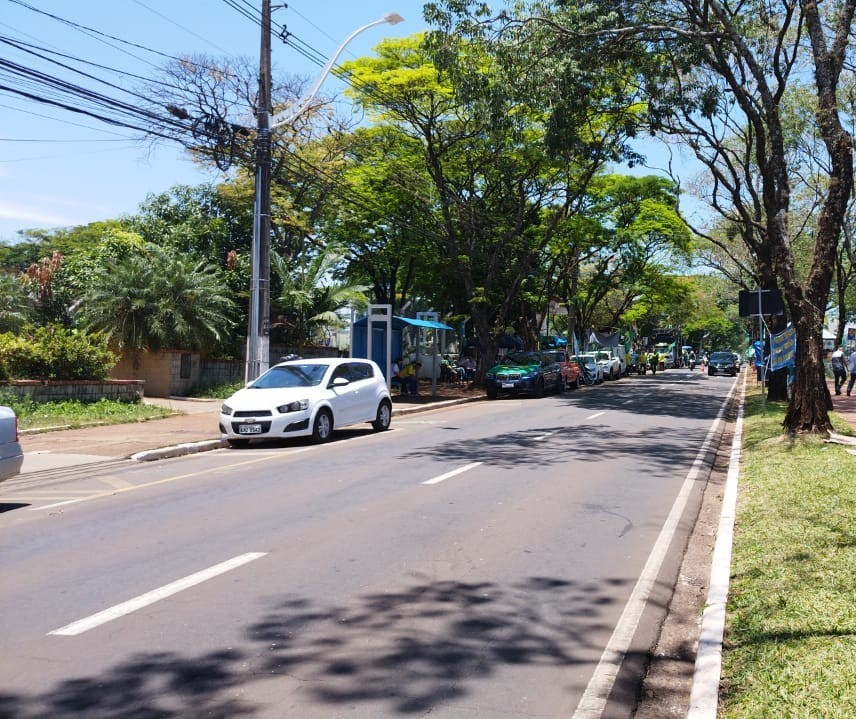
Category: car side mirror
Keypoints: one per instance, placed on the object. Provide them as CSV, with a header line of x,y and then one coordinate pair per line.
x,y
340,382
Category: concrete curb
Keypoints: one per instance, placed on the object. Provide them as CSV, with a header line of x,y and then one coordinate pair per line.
x,y
180,450
704,694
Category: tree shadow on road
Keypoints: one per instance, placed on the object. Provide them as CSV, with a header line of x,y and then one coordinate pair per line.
x,y
401,652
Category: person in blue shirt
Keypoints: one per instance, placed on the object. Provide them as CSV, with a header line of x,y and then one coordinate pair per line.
x,y
851,365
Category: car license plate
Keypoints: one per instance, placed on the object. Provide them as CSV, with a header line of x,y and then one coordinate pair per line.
x,y
249,429
508,385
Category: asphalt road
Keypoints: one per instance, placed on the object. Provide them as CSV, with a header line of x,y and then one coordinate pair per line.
x,y
498,559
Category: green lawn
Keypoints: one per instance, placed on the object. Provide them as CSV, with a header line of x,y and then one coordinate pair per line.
x,y
790,643
35,415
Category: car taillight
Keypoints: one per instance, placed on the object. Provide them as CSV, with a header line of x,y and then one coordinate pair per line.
x,y
16,429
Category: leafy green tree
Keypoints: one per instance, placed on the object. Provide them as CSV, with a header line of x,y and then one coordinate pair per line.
x,y
36,244
205,221
159,300
496,192
383,214
634,240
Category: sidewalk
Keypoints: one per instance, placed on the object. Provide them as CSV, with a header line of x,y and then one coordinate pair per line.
x,y
843,405
194,428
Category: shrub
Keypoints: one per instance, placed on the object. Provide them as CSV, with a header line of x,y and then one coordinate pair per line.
x,y
54,352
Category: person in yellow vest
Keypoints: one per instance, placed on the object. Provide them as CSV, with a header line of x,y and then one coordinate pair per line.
x,y
410,379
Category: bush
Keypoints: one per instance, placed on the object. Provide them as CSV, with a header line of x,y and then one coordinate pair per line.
x,y
54,352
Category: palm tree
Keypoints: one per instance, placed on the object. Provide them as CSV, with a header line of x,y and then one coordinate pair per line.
x,y
312,296
159,300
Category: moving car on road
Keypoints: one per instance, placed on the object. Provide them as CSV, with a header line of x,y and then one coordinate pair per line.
x,y
307,397
722,363
11,454
524,372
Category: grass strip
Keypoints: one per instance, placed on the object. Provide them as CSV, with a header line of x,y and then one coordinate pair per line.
x,y
73,413
790,641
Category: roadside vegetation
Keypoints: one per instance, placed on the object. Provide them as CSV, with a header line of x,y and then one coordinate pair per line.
x,y
71,414
216,391
790,641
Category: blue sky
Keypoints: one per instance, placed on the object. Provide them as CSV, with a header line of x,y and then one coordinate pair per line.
x,y
59,168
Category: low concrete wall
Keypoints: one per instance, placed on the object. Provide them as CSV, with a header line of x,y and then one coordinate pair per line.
x,y
165,373
124,390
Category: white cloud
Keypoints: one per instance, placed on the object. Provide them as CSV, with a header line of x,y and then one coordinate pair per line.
x,y
34,215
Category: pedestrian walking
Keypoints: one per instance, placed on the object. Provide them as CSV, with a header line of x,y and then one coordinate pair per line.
x,y
851,365
839,370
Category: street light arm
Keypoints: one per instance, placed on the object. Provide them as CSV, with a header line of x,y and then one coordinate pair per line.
x,y
283,118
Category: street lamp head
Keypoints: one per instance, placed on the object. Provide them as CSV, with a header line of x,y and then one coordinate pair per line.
x,y
393,18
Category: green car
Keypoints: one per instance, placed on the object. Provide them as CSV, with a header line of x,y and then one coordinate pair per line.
x,y
524,373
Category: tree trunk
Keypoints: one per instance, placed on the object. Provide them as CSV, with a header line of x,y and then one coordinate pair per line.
x,y
810,403
487,342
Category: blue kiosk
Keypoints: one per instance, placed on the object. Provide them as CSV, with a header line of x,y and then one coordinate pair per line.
x,y
386,339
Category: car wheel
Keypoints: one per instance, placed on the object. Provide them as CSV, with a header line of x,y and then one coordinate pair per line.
x,y
710,373
561,386
491,392
322,430
539,387
238,443
384,417
578,382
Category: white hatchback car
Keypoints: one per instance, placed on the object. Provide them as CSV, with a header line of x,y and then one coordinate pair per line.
x,y
307,397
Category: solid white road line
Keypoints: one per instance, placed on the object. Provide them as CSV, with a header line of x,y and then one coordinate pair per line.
x,y
459,470
704,695
596,414
144,600
593,701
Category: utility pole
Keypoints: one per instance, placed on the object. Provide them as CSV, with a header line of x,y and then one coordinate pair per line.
x,y
258,330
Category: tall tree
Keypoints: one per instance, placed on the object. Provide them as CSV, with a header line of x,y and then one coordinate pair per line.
x,y
498,194
715,76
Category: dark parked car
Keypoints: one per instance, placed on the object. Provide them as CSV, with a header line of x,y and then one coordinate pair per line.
x,y
722,363
524,372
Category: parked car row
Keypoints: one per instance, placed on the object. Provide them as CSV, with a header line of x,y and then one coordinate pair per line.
x,y
554,370
537,373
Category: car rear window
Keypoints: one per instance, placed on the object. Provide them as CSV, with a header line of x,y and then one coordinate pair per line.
x,y
719,356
